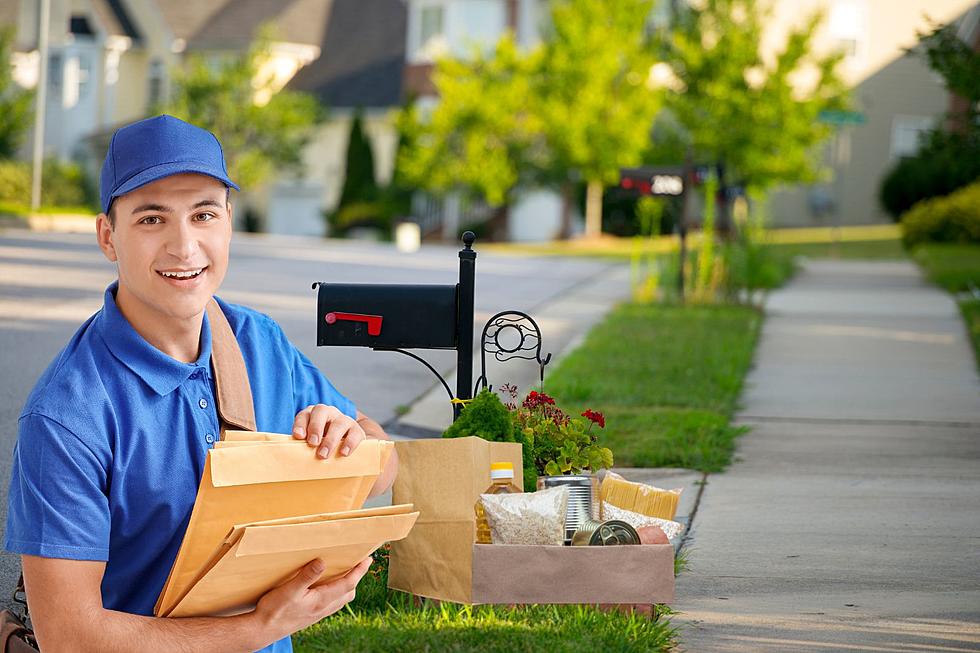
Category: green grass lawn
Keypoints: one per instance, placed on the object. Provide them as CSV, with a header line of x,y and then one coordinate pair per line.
x,y
381,620
847,249
668,380
953,266
956,267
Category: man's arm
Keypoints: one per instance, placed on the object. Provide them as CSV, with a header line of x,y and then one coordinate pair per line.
x,y
66,610
326,428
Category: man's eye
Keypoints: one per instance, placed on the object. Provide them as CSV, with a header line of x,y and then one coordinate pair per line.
x,y
151,219
204,217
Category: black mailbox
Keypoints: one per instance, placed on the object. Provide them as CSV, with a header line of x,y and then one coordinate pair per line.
x,y
388,316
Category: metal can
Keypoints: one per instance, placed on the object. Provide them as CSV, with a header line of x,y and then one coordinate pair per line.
x,y
605,533
582,499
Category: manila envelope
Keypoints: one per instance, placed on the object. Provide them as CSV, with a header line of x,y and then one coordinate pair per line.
x,y
255,558
272,478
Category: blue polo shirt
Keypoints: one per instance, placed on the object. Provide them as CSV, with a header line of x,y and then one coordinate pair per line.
x,y
113,439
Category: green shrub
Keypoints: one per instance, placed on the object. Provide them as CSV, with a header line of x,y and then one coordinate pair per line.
x,y
373,214
946,162
485,416
951,219
63,184
15,182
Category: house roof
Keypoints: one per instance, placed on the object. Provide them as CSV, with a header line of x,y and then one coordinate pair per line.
x,y
233,25
362,56
111,16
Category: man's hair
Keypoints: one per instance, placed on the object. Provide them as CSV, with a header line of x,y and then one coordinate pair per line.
x,y
112,208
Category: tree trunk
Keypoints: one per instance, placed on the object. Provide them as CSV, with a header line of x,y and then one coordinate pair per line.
x,y
593,209
565,231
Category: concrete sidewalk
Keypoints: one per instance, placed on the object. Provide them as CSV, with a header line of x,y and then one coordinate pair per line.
x,y
851,518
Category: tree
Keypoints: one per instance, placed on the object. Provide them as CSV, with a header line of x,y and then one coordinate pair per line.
x,y
359,183
15,102
577,106
484,135
595,102
258,137
752,117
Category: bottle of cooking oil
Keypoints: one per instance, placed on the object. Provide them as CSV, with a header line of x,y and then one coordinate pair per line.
x,y
502,479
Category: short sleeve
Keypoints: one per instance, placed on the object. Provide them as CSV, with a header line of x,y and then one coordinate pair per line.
x,y
57,506
310,386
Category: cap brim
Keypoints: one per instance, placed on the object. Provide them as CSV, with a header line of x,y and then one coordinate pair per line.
x,y
158,172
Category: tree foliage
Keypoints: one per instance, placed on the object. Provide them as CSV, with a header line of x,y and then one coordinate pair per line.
x,y
575,106
955,61
359,183
258,138
484,136
15,102
758,117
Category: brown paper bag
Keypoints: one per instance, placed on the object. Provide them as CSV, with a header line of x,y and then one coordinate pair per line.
x,y
255,558
443,479
270,480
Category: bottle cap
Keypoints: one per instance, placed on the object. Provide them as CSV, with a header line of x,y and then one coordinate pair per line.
x,y
501,470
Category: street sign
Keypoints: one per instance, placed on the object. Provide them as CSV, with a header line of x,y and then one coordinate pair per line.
x,y
841,118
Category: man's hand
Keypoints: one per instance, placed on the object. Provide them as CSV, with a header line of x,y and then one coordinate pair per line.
x,y
326,428
299,603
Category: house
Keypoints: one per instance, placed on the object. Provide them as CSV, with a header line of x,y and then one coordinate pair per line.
x,y
896,96
110,63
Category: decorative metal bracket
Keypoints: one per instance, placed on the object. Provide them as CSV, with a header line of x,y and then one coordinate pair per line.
x,y
520,326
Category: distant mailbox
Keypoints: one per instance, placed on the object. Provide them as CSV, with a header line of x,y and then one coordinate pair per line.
x,y
385,316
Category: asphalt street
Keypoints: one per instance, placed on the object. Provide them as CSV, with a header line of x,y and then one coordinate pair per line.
x,y
51,283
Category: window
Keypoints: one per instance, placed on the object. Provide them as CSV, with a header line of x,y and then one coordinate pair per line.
x,y
907,134
430,24
847,24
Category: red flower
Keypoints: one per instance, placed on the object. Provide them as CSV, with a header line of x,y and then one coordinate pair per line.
x,y
595,417
535,399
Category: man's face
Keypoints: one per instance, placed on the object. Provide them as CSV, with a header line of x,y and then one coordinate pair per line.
x,y
170,241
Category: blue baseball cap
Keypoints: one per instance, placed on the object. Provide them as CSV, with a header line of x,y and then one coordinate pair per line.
x,y
159,147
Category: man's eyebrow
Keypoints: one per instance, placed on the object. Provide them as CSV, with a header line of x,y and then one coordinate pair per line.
x,y
209,203
152,207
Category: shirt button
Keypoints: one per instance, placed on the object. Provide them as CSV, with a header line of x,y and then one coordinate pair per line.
x,y
203,403
209,438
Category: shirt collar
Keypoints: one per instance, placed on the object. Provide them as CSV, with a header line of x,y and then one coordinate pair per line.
x,y
157,369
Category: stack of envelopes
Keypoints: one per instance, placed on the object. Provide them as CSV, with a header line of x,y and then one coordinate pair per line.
x,y
265,507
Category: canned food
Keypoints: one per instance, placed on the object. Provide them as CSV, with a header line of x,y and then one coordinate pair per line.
x,y
605,533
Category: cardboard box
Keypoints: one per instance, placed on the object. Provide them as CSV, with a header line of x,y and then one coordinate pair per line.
x,y
440,559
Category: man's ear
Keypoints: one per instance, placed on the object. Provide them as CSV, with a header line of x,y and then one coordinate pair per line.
x,y
103,232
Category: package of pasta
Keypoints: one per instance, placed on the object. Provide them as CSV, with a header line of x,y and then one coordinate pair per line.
x,y
639,497
671,529
528,517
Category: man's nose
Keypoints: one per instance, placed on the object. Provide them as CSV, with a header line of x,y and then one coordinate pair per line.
x,y
183,242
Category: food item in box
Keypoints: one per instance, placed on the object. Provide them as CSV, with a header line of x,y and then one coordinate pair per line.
x,y
502,482
528,517
652,535
639,497
638,521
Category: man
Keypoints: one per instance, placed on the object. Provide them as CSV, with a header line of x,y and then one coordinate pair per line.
x,y
113,438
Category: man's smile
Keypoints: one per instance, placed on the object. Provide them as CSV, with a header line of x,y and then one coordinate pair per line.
x,y
178,276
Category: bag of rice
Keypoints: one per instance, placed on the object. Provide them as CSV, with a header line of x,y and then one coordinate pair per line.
x,y
528,517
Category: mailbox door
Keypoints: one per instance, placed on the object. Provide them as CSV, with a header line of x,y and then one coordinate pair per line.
x,y
386,316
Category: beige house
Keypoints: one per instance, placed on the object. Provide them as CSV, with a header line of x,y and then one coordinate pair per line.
x,y
897,95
